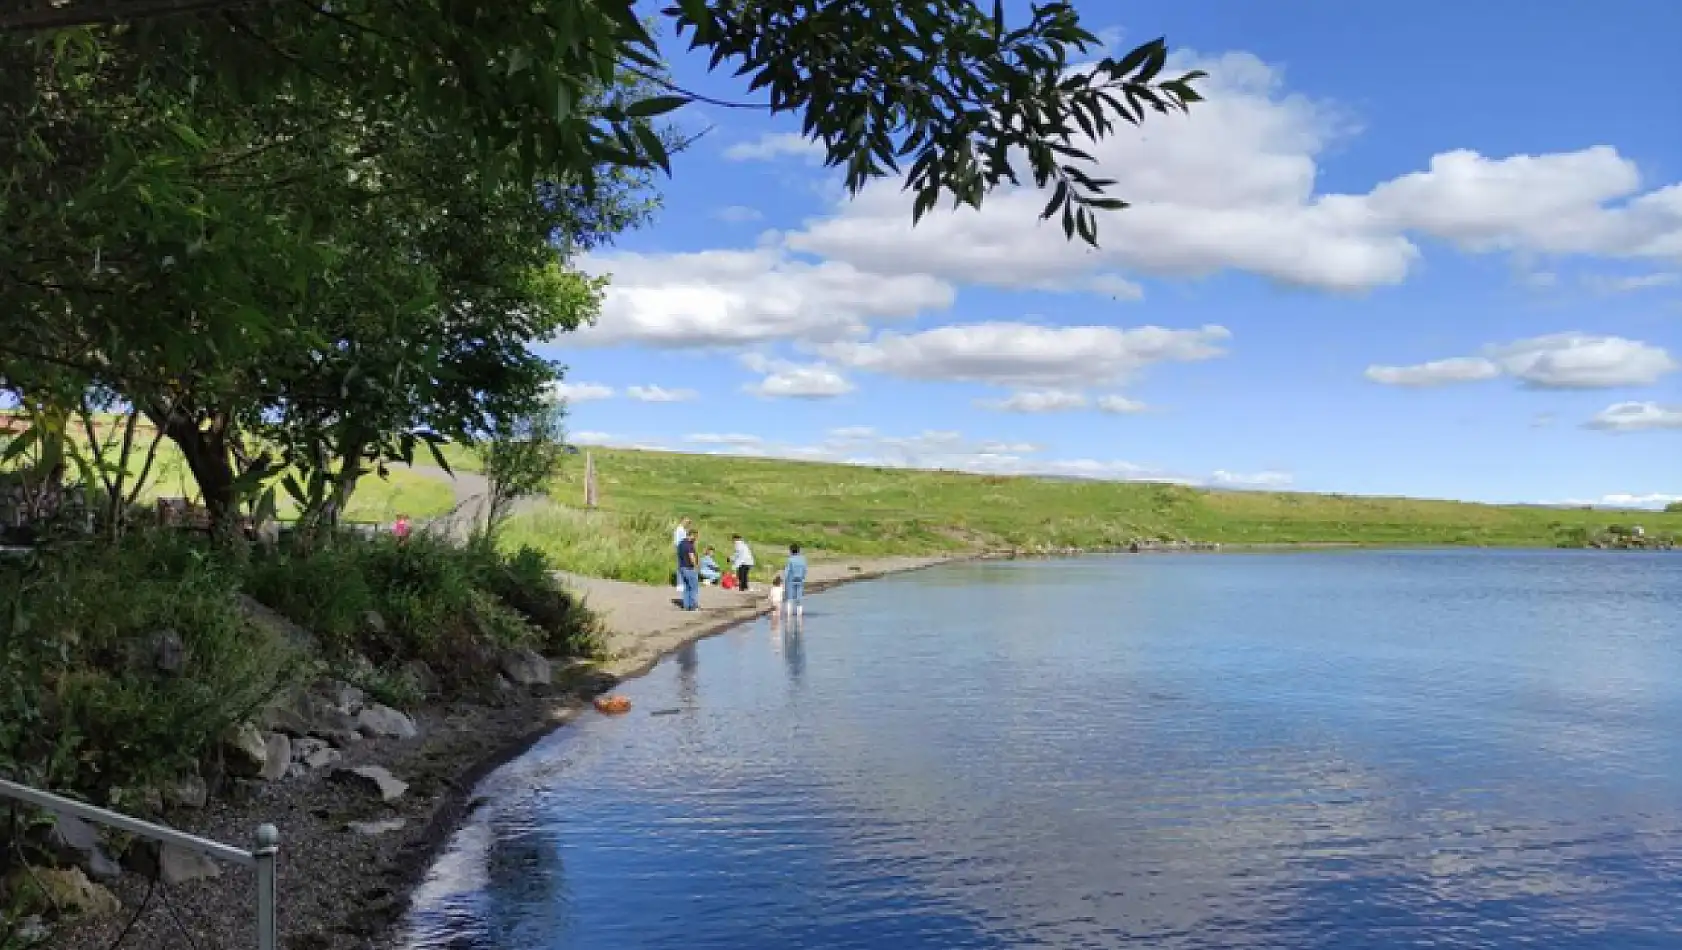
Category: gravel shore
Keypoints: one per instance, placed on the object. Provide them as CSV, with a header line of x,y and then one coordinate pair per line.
x,y
340,888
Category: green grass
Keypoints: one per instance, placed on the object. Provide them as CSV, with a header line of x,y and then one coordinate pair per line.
x,y
850,510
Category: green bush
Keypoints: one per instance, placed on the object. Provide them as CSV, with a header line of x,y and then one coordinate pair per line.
x,y
376,603
121,666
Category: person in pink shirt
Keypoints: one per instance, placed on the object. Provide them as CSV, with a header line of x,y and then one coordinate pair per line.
x,y
400,528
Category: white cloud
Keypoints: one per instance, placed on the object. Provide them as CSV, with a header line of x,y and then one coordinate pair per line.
x,y
736,439
1231,186
1026,355
579,392
1631,283
660,394
1621,500
775,145
1636,417
738,214
1460,369
948,451
787,380
1557,361
742,297
1120,405
1035,401
1227,479
593,438
1581,361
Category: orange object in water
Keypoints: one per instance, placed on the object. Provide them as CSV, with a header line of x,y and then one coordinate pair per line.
x,y
612,705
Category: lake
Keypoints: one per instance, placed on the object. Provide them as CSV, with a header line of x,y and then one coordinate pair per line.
x,y
1341,750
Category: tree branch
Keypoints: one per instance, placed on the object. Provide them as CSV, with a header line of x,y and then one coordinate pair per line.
x,y
91,13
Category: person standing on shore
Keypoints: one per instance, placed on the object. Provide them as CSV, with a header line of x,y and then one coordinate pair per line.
x,y
741,561
683,525
794,581
689,573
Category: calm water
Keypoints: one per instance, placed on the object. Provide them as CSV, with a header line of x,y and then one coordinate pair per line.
x,y
1292,751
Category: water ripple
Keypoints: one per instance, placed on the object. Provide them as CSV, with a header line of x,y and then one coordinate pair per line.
x,y
1460,750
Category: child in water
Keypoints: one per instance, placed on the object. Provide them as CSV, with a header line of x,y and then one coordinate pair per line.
x,y
775,596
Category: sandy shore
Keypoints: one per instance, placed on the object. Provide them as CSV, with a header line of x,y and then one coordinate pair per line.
x,y
340,889
644,624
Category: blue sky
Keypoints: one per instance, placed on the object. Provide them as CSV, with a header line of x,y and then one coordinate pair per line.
x,y
1430,250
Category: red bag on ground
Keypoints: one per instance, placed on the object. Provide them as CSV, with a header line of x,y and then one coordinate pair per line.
x,y
728,582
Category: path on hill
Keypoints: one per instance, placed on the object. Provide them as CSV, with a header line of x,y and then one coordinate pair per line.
x,y
473,493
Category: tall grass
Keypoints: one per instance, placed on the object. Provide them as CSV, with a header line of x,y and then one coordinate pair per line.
x,y
855,510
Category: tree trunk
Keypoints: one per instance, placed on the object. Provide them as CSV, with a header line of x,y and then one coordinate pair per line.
x,y
205,451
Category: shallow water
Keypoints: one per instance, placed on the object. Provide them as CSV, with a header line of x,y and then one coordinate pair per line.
x,y
1465,749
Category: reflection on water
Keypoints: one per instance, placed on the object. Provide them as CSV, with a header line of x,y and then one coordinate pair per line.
x,y
1350,750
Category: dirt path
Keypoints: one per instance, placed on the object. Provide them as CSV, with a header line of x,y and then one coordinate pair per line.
x,y
644,622
473,492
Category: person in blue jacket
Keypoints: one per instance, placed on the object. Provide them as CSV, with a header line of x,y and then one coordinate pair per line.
x,y
794,581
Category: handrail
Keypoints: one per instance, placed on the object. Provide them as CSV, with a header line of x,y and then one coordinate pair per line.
x,y
261,858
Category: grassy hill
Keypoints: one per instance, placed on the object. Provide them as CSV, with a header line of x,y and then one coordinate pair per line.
x,y
844,509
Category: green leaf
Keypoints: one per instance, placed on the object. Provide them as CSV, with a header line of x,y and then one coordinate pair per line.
x,y
656,105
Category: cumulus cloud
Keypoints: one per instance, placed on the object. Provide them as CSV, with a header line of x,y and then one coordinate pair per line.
x,y
1035,401
660,394
1028,355
1651,500
740,297
561,391
735,439
1231,186
738,214
775,145
1120,405
788,380
1460,369
1630,283
1636,417
1558,361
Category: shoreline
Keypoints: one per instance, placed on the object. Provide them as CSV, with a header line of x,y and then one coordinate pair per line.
x,y
340,889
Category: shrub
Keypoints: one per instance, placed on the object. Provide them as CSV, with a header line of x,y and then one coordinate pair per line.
x,y
121,666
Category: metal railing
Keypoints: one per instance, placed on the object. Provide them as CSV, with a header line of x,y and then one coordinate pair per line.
x,y
260,859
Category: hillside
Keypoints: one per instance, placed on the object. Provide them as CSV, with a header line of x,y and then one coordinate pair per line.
x,y
857,510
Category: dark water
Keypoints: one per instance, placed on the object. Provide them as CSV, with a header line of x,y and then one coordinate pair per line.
x,y
1291,751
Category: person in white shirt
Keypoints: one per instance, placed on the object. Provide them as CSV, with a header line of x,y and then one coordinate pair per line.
x,y
683,528
741,561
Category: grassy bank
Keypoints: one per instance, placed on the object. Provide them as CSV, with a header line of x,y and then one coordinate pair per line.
x,y
853,510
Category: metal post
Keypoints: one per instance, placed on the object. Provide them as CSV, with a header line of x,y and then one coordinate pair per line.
x,y
268,845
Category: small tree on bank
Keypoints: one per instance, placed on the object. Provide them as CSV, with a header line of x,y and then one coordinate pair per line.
x,y
521,457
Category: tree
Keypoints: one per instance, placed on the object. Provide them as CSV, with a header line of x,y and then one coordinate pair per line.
x,y
520,457
948,85
1674,507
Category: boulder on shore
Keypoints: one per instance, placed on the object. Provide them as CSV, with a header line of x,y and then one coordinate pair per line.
x,y
378,720
525,667
246,751
374,779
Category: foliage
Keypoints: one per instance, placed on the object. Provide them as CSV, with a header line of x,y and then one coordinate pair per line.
x,y
384,602
87,705
1674,507
850,510
951,85
521,456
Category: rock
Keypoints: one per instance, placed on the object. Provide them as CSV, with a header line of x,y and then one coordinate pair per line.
x,y
376,827
278,755
421,676
525,668
77,843
188,791
247,752
340,696
179,865
169,654
374,622
63,889
377,720
375,779
341,738
32,930
312,753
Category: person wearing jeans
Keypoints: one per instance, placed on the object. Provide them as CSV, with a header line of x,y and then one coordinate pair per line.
x,y
794,581
689,573
741,558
